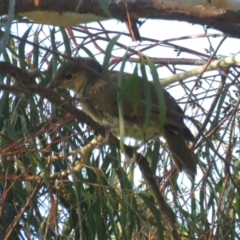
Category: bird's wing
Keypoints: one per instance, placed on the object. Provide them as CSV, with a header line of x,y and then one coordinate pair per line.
x,y
104,97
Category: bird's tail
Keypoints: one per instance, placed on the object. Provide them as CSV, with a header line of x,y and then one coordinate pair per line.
x,y
181,154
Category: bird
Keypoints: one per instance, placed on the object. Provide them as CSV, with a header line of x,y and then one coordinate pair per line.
x,y
99,99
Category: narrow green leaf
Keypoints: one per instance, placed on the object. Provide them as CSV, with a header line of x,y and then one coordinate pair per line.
x,y
4,101
106,61
13,49
54,47
10,131
104,7
102,27
35,49
21,49
24,127
88,52
130,85
219,109
120,109
150,203
160,94
11,8
78,5
98,217
121,174
147,97
66,41
5,55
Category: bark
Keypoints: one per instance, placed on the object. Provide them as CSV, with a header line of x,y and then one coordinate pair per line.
x,y
222,16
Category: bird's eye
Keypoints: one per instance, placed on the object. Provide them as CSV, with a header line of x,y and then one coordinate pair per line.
x,y
68,76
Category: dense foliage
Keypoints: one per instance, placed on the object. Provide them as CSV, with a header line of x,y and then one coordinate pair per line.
x,y
108,196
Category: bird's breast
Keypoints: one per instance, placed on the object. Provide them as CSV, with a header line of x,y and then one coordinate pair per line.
x,y
131,129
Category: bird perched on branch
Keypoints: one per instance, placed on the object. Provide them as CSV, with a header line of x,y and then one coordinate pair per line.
x,y
99,99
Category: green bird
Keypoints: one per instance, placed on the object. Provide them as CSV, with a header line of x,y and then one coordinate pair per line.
x,y
99,100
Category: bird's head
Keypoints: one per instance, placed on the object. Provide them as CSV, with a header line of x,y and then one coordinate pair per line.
x,y
75,74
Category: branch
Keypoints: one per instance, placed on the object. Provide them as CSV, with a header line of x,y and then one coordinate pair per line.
x,y
68,13
214,65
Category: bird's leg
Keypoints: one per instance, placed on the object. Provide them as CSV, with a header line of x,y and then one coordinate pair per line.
x,y
107,135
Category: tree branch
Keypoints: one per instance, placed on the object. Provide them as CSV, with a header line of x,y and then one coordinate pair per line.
x,y
66,13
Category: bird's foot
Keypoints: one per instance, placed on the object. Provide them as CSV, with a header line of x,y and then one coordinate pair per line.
x,y
103,140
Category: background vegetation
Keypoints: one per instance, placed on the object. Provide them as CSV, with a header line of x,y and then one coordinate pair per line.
x,y
111,196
